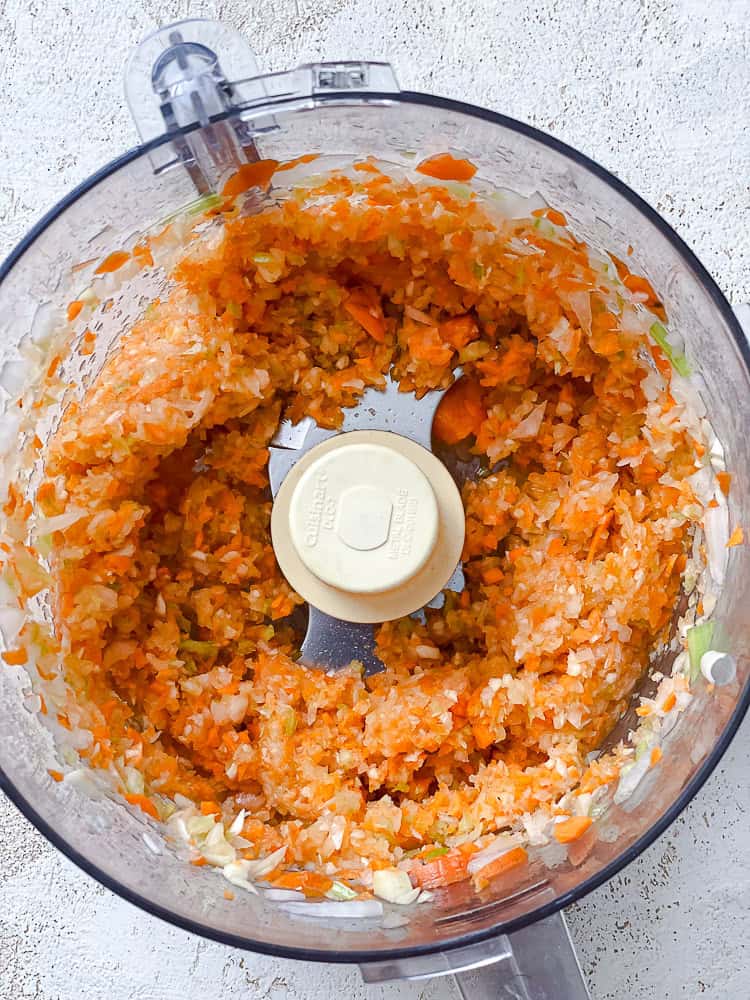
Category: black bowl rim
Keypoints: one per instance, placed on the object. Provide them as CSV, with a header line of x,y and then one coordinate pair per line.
x,y
691,788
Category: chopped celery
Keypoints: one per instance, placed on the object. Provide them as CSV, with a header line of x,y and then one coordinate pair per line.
x,y
341,892
290,723
679,361
210,200
198,647
436,852
699,642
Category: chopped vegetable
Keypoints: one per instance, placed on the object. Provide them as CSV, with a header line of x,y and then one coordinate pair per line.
x,y
510,859
445,167
699,639
113,262
737,537
571,829
679,362
250,175
461,412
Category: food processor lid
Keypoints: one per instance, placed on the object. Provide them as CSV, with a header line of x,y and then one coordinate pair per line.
x,y
177,84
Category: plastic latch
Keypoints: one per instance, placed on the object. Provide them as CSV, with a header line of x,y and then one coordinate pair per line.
x,y
198,81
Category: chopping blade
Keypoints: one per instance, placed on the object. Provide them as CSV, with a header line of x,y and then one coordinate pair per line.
x,y
332,642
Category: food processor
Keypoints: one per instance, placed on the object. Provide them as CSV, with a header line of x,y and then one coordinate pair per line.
x,y
203,111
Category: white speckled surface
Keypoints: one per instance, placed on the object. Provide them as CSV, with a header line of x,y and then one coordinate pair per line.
x,y
651,89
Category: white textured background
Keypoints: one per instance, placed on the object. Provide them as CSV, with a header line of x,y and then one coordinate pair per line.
x,y
656,91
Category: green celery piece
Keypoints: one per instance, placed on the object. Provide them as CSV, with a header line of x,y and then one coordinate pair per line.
x,y
679,361
699,642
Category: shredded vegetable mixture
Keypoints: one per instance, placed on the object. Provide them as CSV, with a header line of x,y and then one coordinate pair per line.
x,y
179,634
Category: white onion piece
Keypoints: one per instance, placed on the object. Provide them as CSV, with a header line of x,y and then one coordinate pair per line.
x,y
630,777
284,895
503,843
716,527
46,525
515,205
357,909
11,622
13,377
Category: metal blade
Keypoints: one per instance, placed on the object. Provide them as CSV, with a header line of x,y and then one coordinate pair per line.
x,y
333,643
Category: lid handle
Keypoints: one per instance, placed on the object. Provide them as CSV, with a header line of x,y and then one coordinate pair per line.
x,y
198,81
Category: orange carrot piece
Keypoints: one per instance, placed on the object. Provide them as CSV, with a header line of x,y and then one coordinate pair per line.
x,y
459,331
113,262
16,657
445,167
210,808
599,534
228,894
55,775
736,538
461,412
571,829
450,868
511,859
250,175
725,480
142,253
74,309
289,164
374,325
311,883
669,702
492,575
144,804
656,756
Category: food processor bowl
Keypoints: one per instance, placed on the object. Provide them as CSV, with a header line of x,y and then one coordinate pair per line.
x,y
201,119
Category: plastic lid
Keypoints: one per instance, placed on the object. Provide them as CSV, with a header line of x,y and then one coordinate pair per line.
x,y
368,526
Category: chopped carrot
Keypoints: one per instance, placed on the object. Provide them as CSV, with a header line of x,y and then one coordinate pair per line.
x,y
461,412
290,164
511,859
736,538
210,809
555,217
144,804
445,167
725,480
366,166
311,883
142,254
250,175
459,331
113,262
556,547
599,535
55,775
572,828
367,318
228,894
74,309
656,756
446,870
493,575
16,657
669,702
